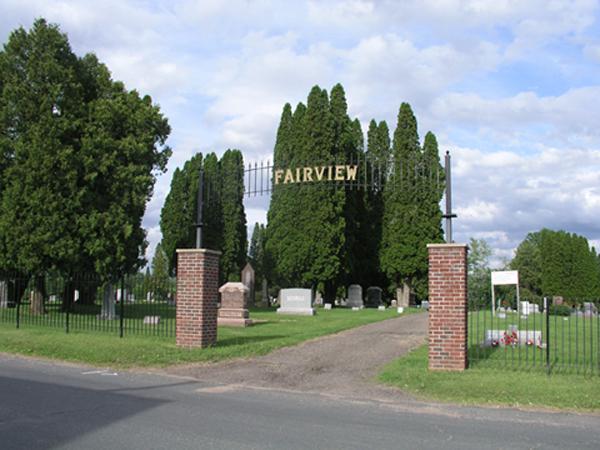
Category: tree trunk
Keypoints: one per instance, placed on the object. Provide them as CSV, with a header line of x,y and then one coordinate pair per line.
x,y
37,306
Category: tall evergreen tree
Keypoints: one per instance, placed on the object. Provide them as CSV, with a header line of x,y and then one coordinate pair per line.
x,y
178,214
79,158
235,240
306,223
402,257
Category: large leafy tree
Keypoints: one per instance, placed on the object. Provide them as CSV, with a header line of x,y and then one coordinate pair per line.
x,y
79,154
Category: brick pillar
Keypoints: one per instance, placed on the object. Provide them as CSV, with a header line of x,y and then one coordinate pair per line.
x,y
197,296
447,307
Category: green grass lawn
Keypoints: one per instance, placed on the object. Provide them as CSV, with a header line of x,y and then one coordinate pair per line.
x,y
106,349
481,385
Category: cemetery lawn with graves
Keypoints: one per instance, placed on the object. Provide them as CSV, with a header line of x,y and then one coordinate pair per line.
x,y
270,332
513,375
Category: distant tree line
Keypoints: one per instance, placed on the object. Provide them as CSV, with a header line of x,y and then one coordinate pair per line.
x,y
558,263
550,263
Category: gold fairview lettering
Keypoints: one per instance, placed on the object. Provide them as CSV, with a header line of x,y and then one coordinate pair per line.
x,y
289,177
320,171
339,173
307,174
351,172
278,175
329,172
298,180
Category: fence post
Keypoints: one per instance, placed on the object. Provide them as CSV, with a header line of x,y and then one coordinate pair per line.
x,y
18,301
547,311
67,305
122,306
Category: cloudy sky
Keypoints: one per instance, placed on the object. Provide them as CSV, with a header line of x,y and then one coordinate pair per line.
x,y
510,87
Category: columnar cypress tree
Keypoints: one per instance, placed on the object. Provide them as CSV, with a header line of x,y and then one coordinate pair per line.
x,y
379,156
177,217
401,253
235,242
306,223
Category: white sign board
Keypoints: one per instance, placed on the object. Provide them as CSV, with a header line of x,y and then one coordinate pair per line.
x,y
505,277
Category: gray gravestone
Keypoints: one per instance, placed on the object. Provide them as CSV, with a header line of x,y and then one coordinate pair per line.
x,y
403,296
318,299
295,301
248,280
355,296
374,296
3,294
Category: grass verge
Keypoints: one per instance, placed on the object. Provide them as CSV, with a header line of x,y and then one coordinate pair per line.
x,y
492,386
272,332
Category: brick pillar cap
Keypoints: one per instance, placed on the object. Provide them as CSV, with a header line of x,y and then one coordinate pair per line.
x,y
234,286
453,245
199,250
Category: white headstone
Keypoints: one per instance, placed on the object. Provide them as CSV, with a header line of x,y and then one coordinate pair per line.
x,y
355,308
151,320
381,308
327,306
355,296
296,301
248,280
400,309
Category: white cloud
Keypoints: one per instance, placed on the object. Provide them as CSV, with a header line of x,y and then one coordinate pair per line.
x,y
523,157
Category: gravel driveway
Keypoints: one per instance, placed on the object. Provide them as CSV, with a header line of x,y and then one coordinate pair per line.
x,y
339,365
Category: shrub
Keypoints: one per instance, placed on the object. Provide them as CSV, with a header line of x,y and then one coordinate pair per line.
x,y
560,310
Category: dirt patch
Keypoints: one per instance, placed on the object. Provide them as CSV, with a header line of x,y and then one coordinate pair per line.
x,y
343,364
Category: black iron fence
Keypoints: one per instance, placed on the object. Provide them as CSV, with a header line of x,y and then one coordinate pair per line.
x,y
561,338
133,304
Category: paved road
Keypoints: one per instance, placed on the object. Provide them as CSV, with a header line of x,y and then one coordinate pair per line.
x,y
46,405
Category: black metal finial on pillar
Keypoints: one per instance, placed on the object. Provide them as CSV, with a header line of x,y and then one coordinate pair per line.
x,y
200,208
448,216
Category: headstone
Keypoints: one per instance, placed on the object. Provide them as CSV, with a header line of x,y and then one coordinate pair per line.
x,y
355,308
75,295
234,305
3,294
248,280
381,308
374,296
318,299
355,296
296,301
589,309
512,336
394,303
425,305
149,297
151,320
108,303
327,306
400,309
404,296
